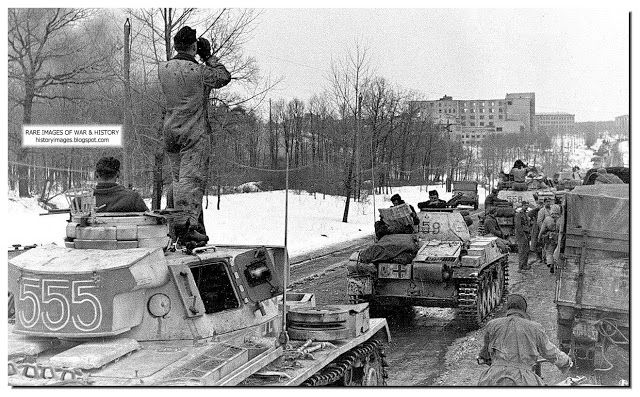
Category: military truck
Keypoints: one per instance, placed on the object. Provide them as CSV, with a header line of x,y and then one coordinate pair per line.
x,y
592,285
468,191
621,172
451,269
120,305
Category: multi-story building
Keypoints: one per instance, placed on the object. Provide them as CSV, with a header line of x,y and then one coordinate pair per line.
x,y
471,120
555,123
622,124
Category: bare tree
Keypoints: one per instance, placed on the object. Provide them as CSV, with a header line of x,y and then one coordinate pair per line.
x,y
48,50
347,79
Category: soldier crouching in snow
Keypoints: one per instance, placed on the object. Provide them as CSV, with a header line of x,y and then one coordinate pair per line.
x,y
512,346
186,85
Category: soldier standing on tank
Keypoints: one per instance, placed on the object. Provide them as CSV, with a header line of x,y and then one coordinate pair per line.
x,y
523,232
186,85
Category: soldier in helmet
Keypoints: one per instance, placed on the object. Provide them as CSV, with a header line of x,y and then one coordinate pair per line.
x,y
512,345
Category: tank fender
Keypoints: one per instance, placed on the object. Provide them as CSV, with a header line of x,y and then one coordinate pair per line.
x,y
465,272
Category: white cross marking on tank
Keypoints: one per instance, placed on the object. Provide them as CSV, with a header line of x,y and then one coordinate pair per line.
x,y
399,271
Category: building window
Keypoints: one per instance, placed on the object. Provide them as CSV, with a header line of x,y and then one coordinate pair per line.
x,y
472,117
500,110
491,110
509,103
472,124
481,117
500,117
491,124
498,129
473,110
481,123
491,117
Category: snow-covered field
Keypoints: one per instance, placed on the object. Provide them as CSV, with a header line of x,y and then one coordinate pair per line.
x,y
244,218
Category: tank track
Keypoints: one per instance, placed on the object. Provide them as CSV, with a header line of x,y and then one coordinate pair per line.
x,y
473,309
334,372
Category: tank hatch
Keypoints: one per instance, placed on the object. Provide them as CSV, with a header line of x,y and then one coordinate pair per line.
x,y
62,292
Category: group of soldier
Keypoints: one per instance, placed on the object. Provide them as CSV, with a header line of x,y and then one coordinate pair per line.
x,y
511,344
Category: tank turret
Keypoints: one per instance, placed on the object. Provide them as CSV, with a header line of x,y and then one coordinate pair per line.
x,y
121,305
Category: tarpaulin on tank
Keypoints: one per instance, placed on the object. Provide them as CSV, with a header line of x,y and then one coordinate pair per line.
x,y
609,202
394,248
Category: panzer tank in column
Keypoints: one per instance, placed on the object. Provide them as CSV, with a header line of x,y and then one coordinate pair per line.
x,y
450,269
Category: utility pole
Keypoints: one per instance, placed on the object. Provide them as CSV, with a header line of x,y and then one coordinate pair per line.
x,y
128,122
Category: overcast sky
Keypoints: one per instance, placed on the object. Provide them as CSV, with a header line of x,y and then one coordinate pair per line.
x,y
575,60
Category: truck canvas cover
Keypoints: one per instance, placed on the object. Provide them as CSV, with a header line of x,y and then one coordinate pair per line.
x,y
596,268
609,202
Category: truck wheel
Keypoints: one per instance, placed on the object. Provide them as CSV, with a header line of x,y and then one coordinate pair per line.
x,y
564,335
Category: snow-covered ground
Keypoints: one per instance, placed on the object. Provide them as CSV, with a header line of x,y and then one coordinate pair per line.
x,y
245,218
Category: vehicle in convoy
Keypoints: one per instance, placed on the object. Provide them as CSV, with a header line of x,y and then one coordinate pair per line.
x,y
564,180
623,173
451,269
467,192
505,214
592,285
115,307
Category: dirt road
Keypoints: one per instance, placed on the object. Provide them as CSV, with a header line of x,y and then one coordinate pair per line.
x,y
429,348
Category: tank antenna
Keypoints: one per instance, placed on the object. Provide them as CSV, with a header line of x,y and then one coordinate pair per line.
x,y
284,336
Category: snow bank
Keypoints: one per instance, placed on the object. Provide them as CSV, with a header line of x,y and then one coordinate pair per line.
x,y
257,218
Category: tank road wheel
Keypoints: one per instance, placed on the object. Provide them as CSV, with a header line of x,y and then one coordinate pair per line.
x,y
363,365
478,298
499,284
372,374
